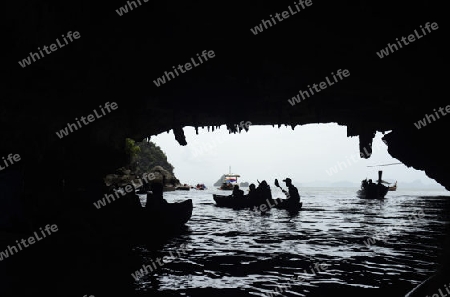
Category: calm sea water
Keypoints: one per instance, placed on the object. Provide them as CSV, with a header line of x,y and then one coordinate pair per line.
x,y
244,253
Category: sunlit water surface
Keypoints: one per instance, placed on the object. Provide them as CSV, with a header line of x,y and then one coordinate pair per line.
x,y
242,252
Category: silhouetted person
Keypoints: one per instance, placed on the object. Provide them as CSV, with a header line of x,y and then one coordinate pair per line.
x,y
135,201
252,195
124,198
237,193
292,193
156,200
364,184
251,192
145,187
370,185
263,192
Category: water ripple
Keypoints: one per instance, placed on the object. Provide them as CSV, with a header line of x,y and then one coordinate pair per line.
x,y
245,253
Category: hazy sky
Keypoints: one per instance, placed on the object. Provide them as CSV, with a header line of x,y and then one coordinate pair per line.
x,y
305,155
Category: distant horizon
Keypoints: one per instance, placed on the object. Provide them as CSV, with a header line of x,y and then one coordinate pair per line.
x,y
416,181
417,184
401,184
311,153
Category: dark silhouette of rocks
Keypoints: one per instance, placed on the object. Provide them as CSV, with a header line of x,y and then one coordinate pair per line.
x,y
117,57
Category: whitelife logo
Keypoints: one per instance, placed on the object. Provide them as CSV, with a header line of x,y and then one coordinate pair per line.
x,y
146,269
284,15
162,80
411,38
53,47
124,9
323,85
423,123
90,118
11,250
10,159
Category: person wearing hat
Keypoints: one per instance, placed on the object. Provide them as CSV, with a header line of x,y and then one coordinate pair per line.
x,y
293,195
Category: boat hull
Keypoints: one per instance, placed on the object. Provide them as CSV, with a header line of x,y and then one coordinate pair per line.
x,y
375,192
142,224
183,188
228,187
228,201
168,189
170,215
236,203
290,207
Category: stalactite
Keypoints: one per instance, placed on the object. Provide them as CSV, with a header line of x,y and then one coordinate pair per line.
x,y
231,128
179,135
365,143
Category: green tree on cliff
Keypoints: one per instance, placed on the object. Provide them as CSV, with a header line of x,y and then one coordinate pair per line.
x,y
131,148
146,155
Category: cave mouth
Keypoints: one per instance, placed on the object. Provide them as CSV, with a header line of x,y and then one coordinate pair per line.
x,y
313,154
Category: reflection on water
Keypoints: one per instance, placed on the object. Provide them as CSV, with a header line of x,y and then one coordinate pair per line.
x,y
245,253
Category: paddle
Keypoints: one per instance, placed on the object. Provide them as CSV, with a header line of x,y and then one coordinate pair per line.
x,y
278,185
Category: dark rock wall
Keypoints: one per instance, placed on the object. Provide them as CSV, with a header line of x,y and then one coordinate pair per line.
x,y
250,78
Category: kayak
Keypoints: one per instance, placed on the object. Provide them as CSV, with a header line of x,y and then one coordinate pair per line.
x,y
231,202
290,207
169,215
141,224
236,203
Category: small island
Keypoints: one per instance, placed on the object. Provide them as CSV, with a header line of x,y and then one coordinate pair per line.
x,y
147,160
